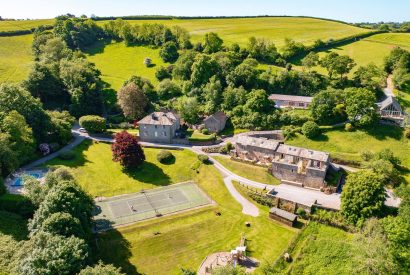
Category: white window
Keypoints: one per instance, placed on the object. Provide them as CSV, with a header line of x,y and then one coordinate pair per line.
x,y
156,133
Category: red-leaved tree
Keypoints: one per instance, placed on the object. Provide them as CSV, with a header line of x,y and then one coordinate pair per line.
x,y
127,150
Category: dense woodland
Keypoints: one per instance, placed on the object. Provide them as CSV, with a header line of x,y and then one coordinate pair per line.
x,y
36,118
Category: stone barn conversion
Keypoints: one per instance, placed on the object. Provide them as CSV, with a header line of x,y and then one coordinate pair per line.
x,y
292,165
291,101
159,127
216,123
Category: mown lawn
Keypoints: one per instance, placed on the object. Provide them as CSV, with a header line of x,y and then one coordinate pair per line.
x,y
184,240
348,145
248,171
322,249
15,57
198,136
118,130
23,24
118,62
276,29
100,176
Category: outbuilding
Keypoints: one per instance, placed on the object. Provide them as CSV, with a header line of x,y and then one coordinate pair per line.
x,y
283,216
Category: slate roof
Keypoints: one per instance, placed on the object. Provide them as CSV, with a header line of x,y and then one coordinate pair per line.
x,y
219,116
282,213
303,153
295,98
159,118
258,142
389,101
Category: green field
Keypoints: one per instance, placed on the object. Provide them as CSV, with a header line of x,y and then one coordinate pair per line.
x,y
248,171
321,249
117,62
276,29
371,49
164,246
348,145
100,176
23,24
15,57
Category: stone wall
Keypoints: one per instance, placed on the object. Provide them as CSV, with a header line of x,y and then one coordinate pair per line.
x,y
313,178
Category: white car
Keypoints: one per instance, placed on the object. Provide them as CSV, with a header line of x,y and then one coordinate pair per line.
x,y
82,130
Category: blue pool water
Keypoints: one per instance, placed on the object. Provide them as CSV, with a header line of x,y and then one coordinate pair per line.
x,y
19,180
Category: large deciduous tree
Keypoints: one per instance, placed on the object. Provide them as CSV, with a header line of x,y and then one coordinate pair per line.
x,y
213,43
127,150
360,106
132,101
169,52
363,196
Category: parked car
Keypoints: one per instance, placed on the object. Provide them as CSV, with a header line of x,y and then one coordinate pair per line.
x,y
82,130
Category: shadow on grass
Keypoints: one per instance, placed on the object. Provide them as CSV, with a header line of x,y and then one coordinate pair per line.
x,y
381,132
98,47
112,248
78,160
13,225
149,173
322,137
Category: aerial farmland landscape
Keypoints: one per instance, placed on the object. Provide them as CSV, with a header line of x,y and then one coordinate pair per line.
x,y
222,137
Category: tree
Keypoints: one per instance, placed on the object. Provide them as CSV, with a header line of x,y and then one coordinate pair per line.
x,y
8,157
390,61
13,97
213,43
188,108
360,106
245,74
203,69
60,128
343,65
310,129
372,253
63,224
21,135
324,108
310,60
292,49
33,191
132,101
213,95
262,50
233,97
162,73
145,85
169,52
127,150
229,270
328,62
65,196
370,77
101,269
183,66
45,253
168,89
363,196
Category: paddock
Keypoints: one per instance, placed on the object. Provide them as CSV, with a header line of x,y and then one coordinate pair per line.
x,y
130,208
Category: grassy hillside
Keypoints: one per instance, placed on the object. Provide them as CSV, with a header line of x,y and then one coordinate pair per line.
x,y
23,24
305,30
372,49
118,62
15,57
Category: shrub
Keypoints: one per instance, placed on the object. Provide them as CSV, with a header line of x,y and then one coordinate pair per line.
x,y
349,127
54,147
2,187
205,131
203,158
162,73
310,129
67,155
93,124
165,156
407,133
301,212
16,204
124,125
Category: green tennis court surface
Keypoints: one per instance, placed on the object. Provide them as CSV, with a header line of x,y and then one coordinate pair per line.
x,y
119,210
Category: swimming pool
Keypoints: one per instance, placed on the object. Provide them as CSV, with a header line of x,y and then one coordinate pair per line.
x,y
18,181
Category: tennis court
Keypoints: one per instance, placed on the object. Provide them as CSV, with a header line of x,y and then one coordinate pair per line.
x,y
130,208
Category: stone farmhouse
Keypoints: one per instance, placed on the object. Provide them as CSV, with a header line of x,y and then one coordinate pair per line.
x,y
291,101
159,127
293,165
390,109
216,122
